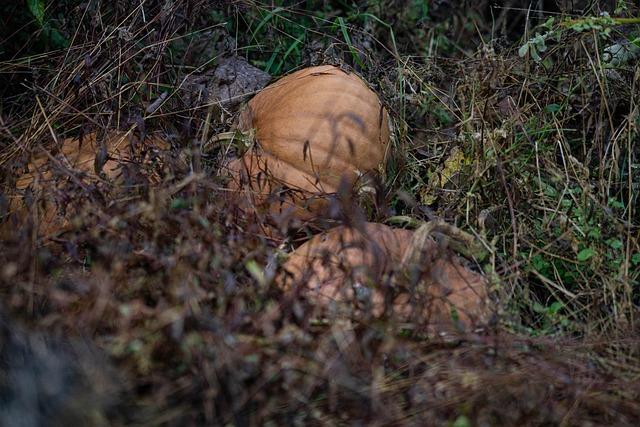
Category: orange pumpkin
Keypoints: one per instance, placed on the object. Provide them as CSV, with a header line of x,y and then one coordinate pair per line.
x,y
48,169
313,129
367,265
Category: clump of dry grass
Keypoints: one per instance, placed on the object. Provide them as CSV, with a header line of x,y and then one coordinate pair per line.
x,y
172,281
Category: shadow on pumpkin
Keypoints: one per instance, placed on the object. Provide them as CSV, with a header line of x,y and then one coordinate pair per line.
x,y
416,277
290,209
315,133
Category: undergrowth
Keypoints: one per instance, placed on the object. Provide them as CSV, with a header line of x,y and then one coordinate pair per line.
x,y
518,126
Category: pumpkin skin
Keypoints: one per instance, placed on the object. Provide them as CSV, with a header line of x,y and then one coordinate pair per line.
x,y
316,129
77,154
331,268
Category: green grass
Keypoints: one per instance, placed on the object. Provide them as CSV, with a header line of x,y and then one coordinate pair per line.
x,y
173,282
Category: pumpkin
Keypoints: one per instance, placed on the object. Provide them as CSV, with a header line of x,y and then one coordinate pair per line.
x,y
47,172
315,130
401,273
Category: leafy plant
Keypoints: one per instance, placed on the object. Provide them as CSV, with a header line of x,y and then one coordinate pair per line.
x,y
171,277
37,9
601,25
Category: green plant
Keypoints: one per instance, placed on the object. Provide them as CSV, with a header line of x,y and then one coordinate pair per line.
x,y
602,25
36,7
173,280
49,26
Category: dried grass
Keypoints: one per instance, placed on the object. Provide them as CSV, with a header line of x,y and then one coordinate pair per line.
x,y
164,285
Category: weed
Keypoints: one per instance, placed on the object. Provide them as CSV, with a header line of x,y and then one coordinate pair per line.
x,y
519,127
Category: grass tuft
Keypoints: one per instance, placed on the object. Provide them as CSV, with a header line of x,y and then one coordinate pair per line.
x,y
126,262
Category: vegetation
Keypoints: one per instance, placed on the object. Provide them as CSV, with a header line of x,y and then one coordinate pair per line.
x,y
157,302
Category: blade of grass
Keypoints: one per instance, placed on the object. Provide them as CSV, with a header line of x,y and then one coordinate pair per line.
x,y
264,22
274,55
294,46
340,22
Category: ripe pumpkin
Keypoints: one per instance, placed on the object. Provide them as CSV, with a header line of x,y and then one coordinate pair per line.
x,y
314,129
46,174
384,269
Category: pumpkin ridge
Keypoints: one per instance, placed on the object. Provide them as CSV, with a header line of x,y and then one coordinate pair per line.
x,y
313,129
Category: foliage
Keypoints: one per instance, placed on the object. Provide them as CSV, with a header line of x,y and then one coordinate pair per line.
x,y
520,129
601,25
